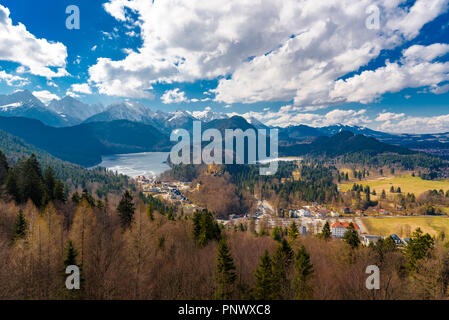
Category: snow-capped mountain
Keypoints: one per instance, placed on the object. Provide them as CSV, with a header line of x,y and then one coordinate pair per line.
x,y
207,115
178,120
75,109
334,129
25,104
129,110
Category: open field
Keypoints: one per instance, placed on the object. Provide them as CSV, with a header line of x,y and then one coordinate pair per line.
x,y
407,183
404,226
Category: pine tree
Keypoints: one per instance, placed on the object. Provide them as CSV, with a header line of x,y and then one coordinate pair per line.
x,y
150,210
76,199
225,274
351,237
418,247
293,231
209,229
70,255
50,182
4,168
264,288
303,272
33,185
12,185
59,191
196,225
20,227
276,234
326,231
126,209
281,264
171,216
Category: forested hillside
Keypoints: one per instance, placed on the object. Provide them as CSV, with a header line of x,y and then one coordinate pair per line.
x,y
73,175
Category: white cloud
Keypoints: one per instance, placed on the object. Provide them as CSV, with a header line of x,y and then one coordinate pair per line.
x,y
174,96
81,88
285,118
12,80
440,89
436,124
388,116
72,94
51,83
45,96
36,56
416,69
189,40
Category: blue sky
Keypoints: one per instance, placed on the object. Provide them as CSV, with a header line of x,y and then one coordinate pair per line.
x,y
282,62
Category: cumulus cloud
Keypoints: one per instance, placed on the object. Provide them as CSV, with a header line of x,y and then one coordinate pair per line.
x,y
36,56
267,50
81,88
417,68
13,80
285,118
45,96
436,124
174,96
388,116
77,88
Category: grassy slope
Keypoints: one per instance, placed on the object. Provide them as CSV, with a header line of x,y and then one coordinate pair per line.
x,y
407,183
403,226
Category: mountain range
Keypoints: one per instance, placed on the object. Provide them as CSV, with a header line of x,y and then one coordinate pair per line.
x,y
81,133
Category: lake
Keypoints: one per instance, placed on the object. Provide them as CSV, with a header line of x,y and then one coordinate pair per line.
x,y
137,164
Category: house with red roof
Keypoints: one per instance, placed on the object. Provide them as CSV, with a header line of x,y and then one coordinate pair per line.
x,y
338,229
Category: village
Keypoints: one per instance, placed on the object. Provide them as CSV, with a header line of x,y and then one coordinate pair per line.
x,y
310,219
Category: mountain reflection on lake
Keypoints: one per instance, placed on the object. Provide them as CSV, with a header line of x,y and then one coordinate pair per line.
x,y
137,164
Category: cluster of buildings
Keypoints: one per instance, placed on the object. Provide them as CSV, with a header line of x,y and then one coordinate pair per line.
x,y
313,211
151,185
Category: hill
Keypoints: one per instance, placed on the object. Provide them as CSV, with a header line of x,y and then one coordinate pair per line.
x,y
85,144
74,175
344,142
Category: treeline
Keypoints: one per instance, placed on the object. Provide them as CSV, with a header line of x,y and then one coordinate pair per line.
x,y
405,161
315,185
72,175
27,181
133,252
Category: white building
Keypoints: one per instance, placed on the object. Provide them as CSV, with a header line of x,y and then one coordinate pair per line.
x,y
338,229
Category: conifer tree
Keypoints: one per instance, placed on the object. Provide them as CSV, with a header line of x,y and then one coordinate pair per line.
x,y
282,262
12,185
20,226
276,234
50,182
351,237
126,209
326,231
59,191
4,168
293,231
196,225
418,247
303,273
264,288
70,255
76,199
171,216
225,274
150,210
